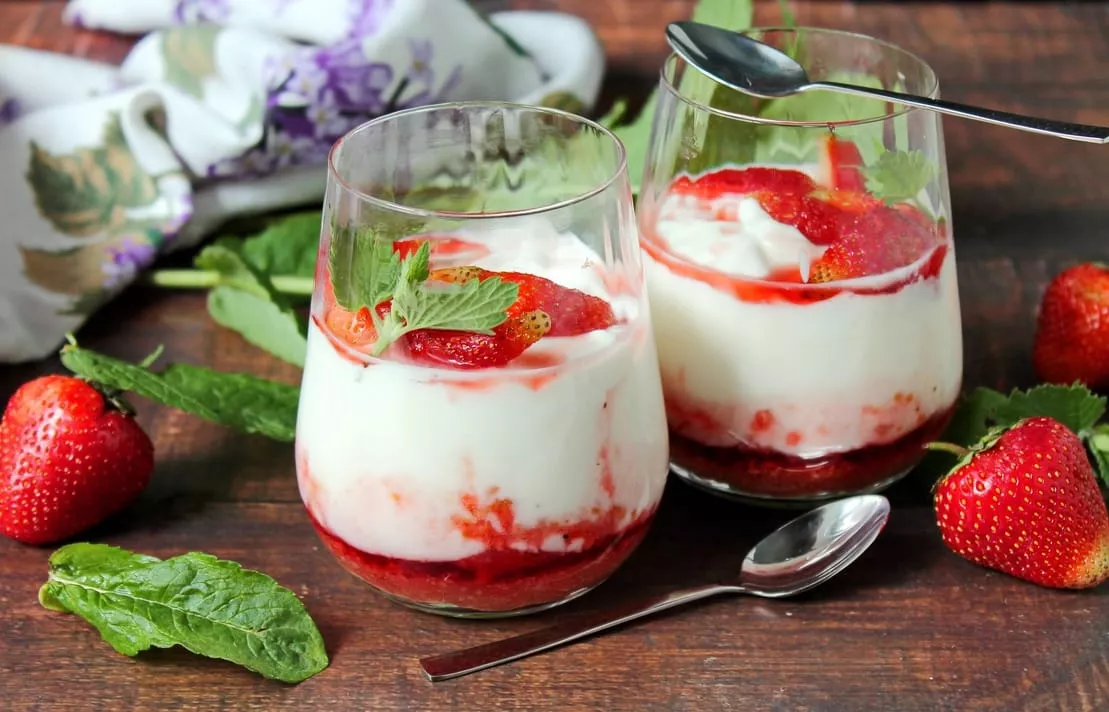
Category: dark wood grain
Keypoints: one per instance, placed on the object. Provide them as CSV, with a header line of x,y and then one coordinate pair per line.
x,y
909,628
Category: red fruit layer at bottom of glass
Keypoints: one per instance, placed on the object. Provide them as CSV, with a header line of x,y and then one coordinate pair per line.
x,y
496,580
775,475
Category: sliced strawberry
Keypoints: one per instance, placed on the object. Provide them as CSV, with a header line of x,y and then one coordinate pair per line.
x,y
441,247
742,181
467,350
850,201
354,328
913,213
873,243
842,164
817,220
571,311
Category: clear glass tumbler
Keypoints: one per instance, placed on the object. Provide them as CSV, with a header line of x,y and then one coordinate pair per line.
x,y
801,275
481,428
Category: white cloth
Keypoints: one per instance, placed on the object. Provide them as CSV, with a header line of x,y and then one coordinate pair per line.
x,y
223,110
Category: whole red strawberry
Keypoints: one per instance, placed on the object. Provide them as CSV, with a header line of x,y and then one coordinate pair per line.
x,y
1072,334
1024,501
68,460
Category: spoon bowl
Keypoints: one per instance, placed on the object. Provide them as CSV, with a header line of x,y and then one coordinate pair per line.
x,y
807,551
752,67
803,553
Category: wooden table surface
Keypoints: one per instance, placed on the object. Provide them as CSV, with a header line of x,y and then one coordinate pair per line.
x,y
910,627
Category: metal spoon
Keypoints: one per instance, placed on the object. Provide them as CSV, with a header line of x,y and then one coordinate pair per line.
x,y
801,554
755,68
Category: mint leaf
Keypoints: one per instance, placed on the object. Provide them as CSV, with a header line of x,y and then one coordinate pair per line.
x,y
248,304
237,400
476,306
285,252
233,270
898,176
261,321
786,144
209,606
364,267
635,135
287,247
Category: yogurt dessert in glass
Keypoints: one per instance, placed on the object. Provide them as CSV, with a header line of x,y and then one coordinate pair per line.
x,y
481,428
801,275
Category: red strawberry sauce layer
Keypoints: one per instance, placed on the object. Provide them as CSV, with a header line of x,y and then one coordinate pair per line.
x,y
768,473
500,579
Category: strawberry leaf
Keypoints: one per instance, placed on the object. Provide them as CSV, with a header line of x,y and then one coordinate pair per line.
x,y
1074,406
1098,443
973,417
984,408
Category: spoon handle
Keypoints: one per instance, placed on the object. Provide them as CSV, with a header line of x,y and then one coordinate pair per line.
x,y
482,657
1060,129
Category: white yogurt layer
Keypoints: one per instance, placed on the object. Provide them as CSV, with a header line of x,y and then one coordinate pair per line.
x,y
387,452
802,379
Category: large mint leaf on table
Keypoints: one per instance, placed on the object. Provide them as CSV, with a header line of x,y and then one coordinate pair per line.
x,y
208,606
248,303
237,400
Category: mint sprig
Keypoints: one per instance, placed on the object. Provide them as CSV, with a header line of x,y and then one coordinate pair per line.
x,y
248,302
367,273
237,400
211,607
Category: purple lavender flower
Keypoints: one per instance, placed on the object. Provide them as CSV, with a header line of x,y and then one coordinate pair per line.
x,y
326,116
301,83
428,96
187,12
366,16
286,148
421,72
358,84
124,260
9,111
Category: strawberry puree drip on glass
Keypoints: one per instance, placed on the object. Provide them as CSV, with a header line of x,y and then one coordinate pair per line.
x,y
487,473
809,332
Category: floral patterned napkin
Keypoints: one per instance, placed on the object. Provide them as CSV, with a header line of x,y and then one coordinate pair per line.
x,y
226,108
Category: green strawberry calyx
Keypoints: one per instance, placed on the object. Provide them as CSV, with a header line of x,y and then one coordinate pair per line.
x,y
966,454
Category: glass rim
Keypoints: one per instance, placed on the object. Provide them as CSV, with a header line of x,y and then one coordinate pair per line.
x,y
739,116
361,195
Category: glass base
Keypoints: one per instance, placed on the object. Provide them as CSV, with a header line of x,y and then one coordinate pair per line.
x,y
726,491
452,611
